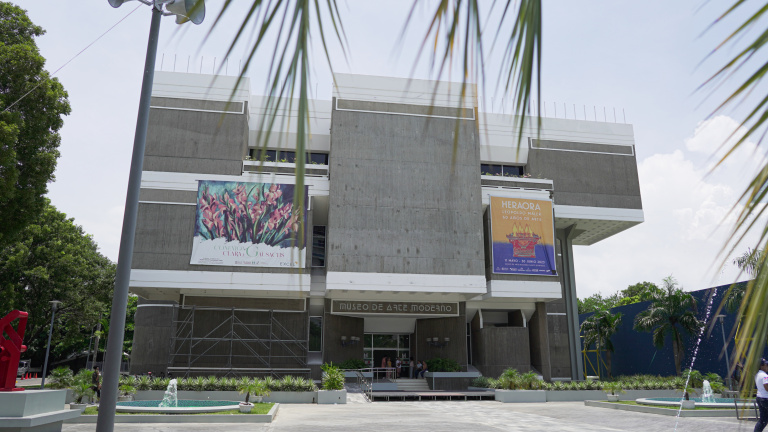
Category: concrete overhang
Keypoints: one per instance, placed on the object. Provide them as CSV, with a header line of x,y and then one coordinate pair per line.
x,y
401,284
593,224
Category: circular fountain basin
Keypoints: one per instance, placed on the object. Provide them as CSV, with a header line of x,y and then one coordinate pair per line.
x,y
184,406
675,402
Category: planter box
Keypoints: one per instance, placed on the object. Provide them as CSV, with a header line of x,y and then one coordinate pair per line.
x,y
279,397
291,397
517,396
574,395
332,397
450,380
583,395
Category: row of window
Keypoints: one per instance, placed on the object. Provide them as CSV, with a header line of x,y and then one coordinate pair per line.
x,y
502,170
322,159
287,156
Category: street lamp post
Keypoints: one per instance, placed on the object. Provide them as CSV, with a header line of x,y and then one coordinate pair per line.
x,y
725,345
185,10
54,305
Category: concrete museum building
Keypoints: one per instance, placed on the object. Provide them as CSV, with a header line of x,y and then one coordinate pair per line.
x,y
411,248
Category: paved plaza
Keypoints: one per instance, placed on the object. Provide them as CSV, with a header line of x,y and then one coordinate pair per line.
x,y
454,417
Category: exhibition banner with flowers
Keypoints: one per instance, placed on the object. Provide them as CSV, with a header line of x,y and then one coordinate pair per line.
x,y
248,224
523,236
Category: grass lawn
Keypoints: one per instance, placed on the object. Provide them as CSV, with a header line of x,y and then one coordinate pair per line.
x,y
259,408
667,407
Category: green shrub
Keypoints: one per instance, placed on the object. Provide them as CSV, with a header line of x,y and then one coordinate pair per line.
x,y
127,389
61,378
228,384
212,384
482,382
353,363
256,387
81,385
443,365
198,383
613,387
159,383
333,377
144,383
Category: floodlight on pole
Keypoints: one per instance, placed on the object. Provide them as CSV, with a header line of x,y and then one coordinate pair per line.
x,y
725,345
54,305
184,10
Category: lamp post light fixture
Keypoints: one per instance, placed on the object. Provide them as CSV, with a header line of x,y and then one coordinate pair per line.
x,y
435,342
353,340
54,306
184,10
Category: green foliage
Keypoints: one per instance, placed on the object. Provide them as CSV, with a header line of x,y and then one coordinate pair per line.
x,y
333,377
670,314
256,387
353,363
598,329
53,259
144,383
126,389
641,291
32,105
485,382
160,383
443,365
81,385
613,387
60,378
511,379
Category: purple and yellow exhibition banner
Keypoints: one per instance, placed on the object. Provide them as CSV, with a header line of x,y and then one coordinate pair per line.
x,y
248,224
523,236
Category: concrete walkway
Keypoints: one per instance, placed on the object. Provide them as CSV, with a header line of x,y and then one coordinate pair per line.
x,y
454,417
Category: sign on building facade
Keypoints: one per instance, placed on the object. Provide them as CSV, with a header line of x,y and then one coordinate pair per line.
x,y
394,307
248,224
523,236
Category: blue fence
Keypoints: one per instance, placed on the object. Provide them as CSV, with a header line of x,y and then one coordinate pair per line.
x,y
634,352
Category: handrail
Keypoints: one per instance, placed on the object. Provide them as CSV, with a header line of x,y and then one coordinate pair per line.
x,y
365,386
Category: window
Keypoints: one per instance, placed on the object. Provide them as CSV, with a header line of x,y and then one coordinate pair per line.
x,y
316,333
502,170
318,246
288,156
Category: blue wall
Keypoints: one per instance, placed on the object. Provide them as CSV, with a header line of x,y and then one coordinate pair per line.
x,y
635,354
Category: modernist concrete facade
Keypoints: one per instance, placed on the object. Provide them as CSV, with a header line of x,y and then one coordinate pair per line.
x,y
399,256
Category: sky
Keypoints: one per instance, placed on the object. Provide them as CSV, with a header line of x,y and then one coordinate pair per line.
x,y
645,59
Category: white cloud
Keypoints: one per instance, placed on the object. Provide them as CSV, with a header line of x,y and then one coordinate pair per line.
x,y
688,217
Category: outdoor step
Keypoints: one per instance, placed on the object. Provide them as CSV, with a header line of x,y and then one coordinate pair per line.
x,y
412,385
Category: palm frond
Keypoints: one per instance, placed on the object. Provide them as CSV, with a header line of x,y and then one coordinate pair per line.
x,y
753,329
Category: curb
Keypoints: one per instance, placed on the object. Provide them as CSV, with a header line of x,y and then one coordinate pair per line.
x,y
662,411
185,418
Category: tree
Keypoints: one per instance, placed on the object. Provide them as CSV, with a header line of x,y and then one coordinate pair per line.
x,y
597,302
747,263
53,259
31,108
598,329
671,313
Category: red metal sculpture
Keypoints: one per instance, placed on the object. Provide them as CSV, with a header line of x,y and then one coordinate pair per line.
x,y
11,349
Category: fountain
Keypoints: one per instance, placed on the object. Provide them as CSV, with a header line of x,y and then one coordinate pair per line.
x,y
172,405
706,394
170,399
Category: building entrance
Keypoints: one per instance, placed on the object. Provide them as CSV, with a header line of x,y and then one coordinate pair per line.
x,y
395,346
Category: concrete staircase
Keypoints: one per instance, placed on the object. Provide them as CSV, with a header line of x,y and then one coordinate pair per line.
x,y
412,385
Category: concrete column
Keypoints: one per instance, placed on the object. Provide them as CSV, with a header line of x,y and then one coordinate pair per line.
x,y
152,337
571,305
539,341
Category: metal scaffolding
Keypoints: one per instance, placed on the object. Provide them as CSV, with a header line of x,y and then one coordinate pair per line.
x,y
243,342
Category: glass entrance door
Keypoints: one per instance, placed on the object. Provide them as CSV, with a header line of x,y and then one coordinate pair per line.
x,y
380,345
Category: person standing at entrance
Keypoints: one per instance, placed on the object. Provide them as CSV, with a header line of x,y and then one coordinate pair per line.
x,y
418,369
389,367
96,382
398,368
412,368
384,365
761,380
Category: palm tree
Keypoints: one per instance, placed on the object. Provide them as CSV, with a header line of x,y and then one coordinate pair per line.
x,y
670,313
598,330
